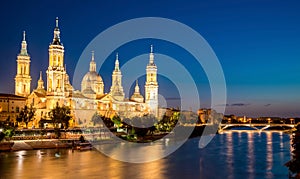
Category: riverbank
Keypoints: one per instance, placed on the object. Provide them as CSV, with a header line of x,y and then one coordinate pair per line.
x,y
15,145
33,144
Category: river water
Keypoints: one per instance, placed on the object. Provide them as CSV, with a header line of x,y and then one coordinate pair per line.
x,y
229,155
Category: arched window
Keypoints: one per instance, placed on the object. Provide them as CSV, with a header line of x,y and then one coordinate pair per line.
x,y
58,61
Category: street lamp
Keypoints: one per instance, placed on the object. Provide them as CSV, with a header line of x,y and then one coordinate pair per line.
x,y
269,120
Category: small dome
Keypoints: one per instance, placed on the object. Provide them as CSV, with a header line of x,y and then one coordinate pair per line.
x,y
137,97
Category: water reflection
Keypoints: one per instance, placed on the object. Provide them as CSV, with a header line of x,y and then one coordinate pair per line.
x,y
269,155
247,155
230,155
251,157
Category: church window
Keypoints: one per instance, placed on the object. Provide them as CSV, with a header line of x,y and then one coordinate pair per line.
x,y
58,59
58,83
54,60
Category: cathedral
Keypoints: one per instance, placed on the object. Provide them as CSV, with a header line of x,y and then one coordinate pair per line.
x,y
92,97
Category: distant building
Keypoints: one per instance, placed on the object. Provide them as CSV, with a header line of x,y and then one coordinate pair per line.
x,y
209,116
10,106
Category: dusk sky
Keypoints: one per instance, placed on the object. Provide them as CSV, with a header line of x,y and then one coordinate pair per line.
x,y
256,41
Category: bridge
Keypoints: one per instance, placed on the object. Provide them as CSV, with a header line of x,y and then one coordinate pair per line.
x,y
258,127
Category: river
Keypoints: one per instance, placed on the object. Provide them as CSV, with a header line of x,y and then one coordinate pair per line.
x,y
228,155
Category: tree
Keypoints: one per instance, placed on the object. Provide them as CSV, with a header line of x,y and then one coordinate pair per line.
x,y
26,115
141,126
294,164
166,124
61,115
7,131
117,121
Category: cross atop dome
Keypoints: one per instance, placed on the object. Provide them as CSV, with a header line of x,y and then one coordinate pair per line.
x,y
57,22
117,64
93,63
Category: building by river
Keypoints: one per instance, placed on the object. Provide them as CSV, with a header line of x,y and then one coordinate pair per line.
x,y
92,97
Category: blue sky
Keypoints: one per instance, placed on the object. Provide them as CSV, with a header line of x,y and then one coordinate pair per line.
x,y
256,42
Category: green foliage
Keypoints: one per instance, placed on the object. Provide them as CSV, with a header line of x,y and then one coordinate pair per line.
x,y
117,121
168,123
140,126
26,115
7,130
61,115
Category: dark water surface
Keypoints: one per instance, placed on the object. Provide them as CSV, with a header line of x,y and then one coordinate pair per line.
x,y
229,155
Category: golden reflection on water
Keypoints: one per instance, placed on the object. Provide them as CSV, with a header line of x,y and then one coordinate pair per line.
x,y
228,154
251,157
269,156
75,164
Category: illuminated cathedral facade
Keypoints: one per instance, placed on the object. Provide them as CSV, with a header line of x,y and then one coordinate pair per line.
x,y
92,97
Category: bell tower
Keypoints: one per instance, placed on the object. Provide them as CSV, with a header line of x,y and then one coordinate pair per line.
x,y
56,71
116,88
151,86
23,78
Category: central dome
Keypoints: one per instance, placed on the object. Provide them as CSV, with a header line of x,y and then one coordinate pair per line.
x,y
92,76
92,81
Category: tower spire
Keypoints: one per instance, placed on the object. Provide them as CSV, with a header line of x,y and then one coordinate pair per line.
x,y
41,84
93,63
56,38
24,34
93,55
137,88
40,76
151,56
117,65
57,22
24,46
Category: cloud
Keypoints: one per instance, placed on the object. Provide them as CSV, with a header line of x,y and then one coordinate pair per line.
x,y
239,104
222,105
234,104
267,105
